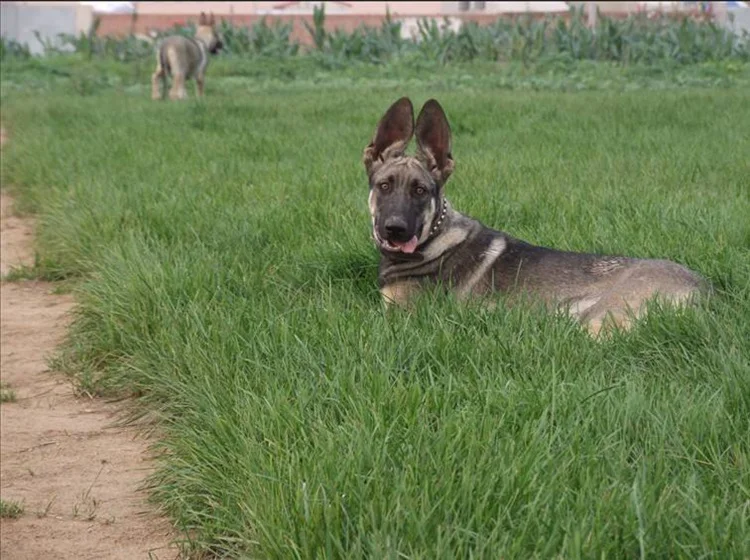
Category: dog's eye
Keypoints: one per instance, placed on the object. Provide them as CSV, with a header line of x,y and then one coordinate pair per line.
x,y
385,186
420,191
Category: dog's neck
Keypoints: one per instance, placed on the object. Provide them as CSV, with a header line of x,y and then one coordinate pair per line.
x,y
201,43
439,218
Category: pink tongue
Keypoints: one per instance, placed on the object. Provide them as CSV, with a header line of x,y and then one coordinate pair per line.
x,y
408,247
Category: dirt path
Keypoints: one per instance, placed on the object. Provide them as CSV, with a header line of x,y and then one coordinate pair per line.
x,y
77,477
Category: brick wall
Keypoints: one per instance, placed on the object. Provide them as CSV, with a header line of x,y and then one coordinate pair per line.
x,y
123,24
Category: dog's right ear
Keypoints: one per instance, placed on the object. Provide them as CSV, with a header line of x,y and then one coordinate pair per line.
x,y
434,141
203,20
392,136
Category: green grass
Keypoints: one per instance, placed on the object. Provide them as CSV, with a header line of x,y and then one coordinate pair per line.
x,y
10,509
227,277
37,271
74,74
6,393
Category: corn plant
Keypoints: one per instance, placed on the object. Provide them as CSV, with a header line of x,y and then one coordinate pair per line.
x,y
11,49
638,39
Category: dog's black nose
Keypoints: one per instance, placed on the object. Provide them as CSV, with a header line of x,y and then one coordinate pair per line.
x,y
396,229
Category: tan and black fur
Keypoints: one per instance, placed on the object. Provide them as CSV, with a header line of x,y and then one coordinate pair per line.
x,y
423,240
184,58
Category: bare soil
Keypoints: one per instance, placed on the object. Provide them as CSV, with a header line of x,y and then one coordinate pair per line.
x,y
77,476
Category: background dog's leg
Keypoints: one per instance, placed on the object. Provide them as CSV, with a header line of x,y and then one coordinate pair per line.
x,y
178,87
199,85
158,82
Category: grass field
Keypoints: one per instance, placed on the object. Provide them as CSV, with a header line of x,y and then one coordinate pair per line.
x,y
221,255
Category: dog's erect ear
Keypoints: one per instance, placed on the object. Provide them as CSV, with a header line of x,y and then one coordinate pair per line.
x,y
392,136
434,141
203,20
211,19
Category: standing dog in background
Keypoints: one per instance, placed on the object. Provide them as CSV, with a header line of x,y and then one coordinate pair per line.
x,y
185,58
423,240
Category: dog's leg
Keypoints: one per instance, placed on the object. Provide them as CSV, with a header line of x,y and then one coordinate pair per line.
x,y
615,309
399,292
178,87
158,82
199,86
627,299
602,324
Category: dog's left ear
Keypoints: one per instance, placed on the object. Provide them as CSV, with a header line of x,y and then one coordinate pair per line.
x,y
434,141
211,19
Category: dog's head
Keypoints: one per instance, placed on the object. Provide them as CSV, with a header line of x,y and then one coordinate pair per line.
x,y
207,33
406,192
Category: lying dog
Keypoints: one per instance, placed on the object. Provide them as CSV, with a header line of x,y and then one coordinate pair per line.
x,y
423,240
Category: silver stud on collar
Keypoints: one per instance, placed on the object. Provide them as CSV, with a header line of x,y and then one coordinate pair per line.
x,y
436,225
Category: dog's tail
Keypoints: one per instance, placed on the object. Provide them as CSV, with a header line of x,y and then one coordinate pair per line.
x,y
161,58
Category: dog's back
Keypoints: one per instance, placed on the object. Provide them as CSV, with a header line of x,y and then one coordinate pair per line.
x,y
178,55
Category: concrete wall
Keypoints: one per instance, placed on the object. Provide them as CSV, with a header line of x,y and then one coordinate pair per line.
x,y
19,20
741,19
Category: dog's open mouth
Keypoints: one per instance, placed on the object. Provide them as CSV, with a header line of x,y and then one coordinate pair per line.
x,y
395,246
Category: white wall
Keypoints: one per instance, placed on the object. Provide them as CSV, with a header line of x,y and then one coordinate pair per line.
x,y
741,19
19,20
